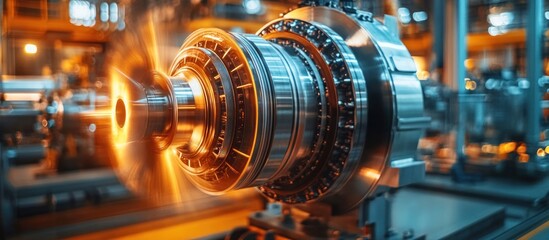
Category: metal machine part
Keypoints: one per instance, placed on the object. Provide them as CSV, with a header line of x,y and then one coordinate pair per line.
x,y
320,105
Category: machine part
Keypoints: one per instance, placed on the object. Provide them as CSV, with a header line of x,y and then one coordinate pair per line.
x,y
318,106
25,154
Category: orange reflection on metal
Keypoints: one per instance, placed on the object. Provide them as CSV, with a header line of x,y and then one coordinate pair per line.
x,y
140,164
370,173
168,158
119,90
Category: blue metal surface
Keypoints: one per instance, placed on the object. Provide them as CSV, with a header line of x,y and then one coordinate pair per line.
x,y
534,41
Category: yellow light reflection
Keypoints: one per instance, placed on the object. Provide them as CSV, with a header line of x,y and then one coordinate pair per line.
x,y
541,152
507,147
469,64
470,84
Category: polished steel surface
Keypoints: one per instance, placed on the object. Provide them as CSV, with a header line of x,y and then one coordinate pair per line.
x,y
394,102
320,105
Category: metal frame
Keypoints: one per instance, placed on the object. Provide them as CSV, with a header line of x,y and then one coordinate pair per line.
x,y
455,46
534,41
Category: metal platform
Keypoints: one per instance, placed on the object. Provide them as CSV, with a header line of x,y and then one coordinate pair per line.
x,y
442,216
442,209
526,193
416,213
526,203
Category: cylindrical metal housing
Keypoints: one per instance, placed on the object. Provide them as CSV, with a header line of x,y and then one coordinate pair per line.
x,y
318,106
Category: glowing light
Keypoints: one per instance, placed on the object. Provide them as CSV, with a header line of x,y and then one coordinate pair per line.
x,y
421,66
470,84
90,22
104,12
523,158
114,12
22,96
523,83
493,31
30,48
485,148
370,173
541,152
144,169
469,63
82,13
92,127
521,149
404,15
499,22
547,149
419,16
119,90
121,18
172,176
501,19
507,147
252,6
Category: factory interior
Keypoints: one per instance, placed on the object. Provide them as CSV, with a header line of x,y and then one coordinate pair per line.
x,y
264,119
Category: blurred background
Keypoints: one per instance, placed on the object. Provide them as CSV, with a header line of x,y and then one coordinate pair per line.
x,y
487,94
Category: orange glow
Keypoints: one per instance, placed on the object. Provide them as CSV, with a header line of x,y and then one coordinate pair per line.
x,y
469,63
487,148
99,113
168,158
143,168
421,66
521,149
119,90
507,147
370,173
22,96
470,84
523,158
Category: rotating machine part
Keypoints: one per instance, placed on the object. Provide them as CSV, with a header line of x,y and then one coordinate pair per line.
x,y
320,105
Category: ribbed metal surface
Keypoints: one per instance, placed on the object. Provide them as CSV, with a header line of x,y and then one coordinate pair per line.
x,y
317,106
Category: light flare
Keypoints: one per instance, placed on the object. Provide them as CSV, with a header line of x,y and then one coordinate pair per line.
x,y
144,169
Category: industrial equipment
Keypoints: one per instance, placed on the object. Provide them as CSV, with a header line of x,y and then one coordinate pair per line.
x,y
495,143
51,149
305,130
321,106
